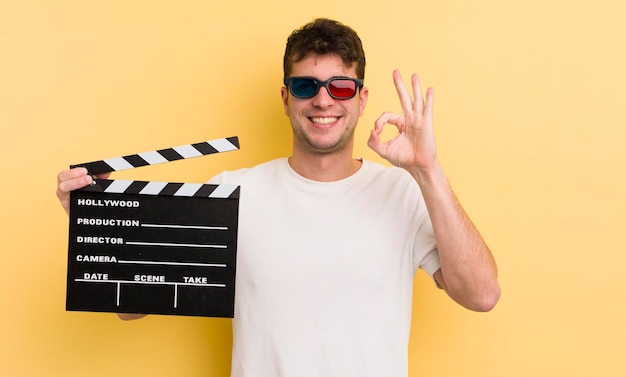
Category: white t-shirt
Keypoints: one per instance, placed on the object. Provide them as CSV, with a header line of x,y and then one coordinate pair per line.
x,y
325,271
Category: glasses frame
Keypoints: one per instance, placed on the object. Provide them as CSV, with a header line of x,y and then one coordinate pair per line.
x,y
325,84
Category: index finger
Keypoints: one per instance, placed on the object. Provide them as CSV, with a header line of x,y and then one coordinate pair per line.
x,y
405,99
70,174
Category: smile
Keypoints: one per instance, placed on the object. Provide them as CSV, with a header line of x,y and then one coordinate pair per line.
x,y
324,120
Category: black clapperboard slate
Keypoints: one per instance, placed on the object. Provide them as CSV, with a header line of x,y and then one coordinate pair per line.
x,y
153,247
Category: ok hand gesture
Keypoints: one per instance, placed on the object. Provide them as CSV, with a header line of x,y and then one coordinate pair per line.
x,y
413,148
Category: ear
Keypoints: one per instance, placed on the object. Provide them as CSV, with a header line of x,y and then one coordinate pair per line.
x,y
284,94
363,95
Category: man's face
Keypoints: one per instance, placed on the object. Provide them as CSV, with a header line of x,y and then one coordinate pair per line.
x,y
323,124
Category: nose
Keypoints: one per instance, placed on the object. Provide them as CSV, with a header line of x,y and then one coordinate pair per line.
x,y
323,99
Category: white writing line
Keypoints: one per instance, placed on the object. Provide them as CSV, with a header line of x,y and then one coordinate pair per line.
x,y
173,263
185,226
216,285
176,244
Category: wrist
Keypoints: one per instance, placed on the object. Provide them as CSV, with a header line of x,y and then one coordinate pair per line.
x,y
428,176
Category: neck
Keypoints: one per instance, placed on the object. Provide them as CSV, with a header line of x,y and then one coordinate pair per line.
x,y
324,167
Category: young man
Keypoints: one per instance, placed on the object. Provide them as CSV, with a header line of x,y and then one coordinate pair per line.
x,y
328,244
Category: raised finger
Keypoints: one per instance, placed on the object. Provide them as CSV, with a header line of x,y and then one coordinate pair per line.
x,y
405,98
417,94
429,109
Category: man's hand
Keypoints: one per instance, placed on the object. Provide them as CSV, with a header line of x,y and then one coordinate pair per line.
x,y
413,148
70,180
468,270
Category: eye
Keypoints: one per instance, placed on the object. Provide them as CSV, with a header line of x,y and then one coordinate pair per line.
x,y
342,88
304,86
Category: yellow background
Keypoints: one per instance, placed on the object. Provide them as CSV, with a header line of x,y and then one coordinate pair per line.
x,y
531,124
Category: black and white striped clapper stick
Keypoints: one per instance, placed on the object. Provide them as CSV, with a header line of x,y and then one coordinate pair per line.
x,y
191,190
161,156
158,157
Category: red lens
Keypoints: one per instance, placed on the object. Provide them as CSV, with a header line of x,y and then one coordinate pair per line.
x,y
341,88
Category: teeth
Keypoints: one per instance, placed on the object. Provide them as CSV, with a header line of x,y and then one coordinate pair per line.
x,y
324,120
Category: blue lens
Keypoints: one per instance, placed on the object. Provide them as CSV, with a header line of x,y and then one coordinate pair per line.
x,y
303,87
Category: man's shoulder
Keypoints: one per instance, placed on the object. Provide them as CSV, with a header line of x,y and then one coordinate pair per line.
x,y
240,176
389,180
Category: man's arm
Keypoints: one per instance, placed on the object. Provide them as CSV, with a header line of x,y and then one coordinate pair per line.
x,y
468,270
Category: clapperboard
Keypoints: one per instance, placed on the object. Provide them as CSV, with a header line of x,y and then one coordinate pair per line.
x,y
153,247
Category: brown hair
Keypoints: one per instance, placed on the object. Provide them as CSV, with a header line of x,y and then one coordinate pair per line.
x,y
325,37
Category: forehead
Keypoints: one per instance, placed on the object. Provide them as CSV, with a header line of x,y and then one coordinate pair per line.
x,y
322,67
